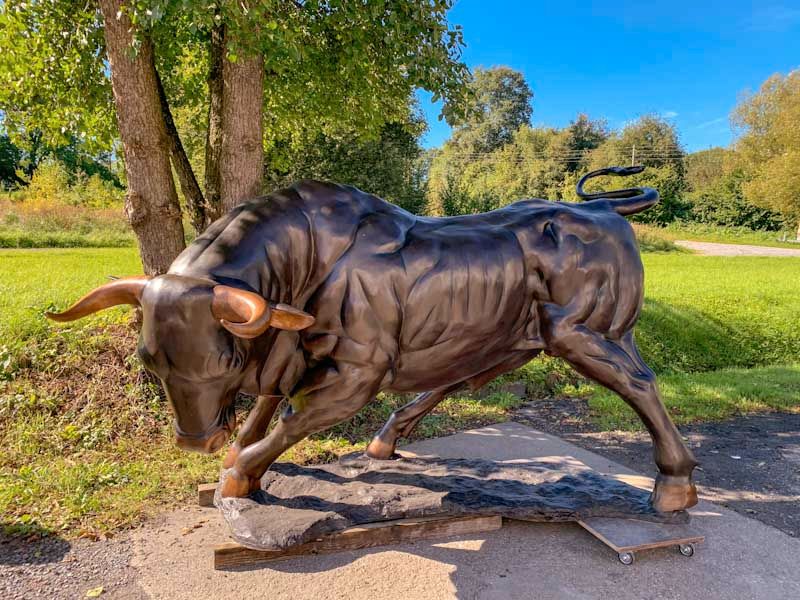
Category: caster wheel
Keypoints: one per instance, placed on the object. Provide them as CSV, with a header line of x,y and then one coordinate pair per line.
x,y
686,549
626,558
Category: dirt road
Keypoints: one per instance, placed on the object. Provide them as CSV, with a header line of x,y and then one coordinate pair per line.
x,y
714,249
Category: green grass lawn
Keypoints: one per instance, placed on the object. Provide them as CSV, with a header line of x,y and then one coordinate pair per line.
x,y
87,439
703,313
32,281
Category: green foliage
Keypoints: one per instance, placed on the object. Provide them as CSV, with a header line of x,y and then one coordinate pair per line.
x,y
330,66
715,183
769,146
388,166
10,157
652,142
480,169
52,72
722,202
499,103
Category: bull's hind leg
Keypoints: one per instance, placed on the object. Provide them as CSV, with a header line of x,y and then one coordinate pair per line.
x,y
618,366
402,422
327,396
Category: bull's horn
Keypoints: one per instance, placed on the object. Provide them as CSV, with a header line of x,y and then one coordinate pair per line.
x,y
248,315
121,291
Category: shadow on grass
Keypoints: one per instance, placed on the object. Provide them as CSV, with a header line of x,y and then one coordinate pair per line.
x,y
682,339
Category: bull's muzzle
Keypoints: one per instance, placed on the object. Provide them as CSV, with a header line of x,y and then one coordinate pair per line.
x,y
206,445
211,441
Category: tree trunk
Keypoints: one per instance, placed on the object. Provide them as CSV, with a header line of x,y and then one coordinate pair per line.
x,y
151,203
180,162
242,158
214,132
798,232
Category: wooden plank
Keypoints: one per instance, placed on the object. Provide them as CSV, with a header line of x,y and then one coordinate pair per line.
x,y
232,554
631,535
205,494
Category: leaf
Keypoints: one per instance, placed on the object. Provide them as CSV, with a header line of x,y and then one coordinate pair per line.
x,y
94,592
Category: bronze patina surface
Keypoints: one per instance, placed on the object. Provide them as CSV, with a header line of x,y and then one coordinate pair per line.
x,y
327,295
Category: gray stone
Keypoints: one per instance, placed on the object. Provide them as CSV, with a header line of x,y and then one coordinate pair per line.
x,y
301,503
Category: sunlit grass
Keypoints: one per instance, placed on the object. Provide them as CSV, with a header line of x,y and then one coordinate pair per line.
x,y
713,396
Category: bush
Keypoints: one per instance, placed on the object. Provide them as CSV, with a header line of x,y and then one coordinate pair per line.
x,y
52,185
723,203
57,210
42,225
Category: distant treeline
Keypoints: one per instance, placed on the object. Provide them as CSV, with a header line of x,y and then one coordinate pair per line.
x,y
495,157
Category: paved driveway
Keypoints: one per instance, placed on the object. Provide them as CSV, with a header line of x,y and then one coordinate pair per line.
x,y
742,558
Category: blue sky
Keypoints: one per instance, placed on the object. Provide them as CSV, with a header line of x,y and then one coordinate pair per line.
x,y
688,61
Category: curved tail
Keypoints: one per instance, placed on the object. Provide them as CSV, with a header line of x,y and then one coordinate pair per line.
x,y
628,201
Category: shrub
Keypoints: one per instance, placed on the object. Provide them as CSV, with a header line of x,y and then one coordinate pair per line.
x,y
723,203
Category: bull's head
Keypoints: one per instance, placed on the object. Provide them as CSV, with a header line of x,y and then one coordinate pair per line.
x,y
195,338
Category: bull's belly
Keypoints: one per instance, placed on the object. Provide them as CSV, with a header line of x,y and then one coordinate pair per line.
x,y
449,362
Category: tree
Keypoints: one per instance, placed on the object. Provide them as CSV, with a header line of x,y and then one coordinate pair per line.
x,y
499,104
272,66
151,204
10,157
769,145
653,142
389,166
573,144
705,167
714,180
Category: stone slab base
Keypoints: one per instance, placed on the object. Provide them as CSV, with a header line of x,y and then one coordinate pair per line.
x,y
299,504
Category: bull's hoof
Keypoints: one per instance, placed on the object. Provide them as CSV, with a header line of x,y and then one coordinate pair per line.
x,y
231,456
673,493
237,485
379,449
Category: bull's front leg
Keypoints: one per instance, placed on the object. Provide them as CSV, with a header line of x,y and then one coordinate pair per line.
x,y
253,428
326,396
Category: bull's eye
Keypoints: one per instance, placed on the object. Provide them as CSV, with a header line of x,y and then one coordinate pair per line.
x,y
237,360
228,361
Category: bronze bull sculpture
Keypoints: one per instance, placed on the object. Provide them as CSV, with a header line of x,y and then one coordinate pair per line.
x,y
326,295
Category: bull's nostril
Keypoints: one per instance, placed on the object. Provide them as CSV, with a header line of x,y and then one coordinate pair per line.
x,y
217,441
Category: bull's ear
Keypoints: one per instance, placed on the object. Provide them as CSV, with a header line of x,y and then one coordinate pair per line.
x,y
288,317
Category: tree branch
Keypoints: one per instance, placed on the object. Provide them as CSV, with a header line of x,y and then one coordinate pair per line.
x,y
180,162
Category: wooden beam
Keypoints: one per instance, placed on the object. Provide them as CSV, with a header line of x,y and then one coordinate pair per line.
x,y
205,494
232,554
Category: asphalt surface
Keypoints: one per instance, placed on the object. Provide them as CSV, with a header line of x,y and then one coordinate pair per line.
x,y
171,557
750,463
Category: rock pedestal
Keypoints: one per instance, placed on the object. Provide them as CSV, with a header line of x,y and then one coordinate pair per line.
x,y
301,503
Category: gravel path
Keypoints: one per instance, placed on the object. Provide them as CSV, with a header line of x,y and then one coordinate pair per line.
x,y
50,567
714,249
